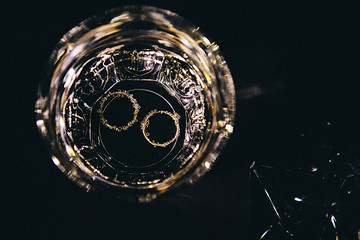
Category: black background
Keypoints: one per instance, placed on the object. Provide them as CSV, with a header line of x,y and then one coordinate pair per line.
x,y
302,54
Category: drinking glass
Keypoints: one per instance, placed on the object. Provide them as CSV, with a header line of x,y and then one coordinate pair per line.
x,y
136,101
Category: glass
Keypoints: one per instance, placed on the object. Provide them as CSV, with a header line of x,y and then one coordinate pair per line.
x,y
308,186
136,101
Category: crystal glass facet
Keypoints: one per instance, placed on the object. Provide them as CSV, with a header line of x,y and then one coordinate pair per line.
x,y
136,101
309,191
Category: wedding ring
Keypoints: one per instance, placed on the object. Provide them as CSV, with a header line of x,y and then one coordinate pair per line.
x,y
145,123
107,100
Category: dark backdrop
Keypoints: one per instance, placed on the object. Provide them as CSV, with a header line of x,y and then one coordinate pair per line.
x,y
301,55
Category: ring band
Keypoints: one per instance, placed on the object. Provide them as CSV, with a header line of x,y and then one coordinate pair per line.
x,y
145,124
107,100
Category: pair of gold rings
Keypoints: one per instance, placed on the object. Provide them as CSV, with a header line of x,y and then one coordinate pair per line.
x,y
144,124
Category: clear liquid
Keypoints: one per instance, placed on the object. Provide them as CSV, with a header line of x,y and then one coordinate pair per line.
x,y
137,115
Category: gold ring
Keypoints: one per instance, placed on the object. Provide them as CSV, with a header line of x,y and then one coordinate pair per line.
x,y
107,100
145,124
